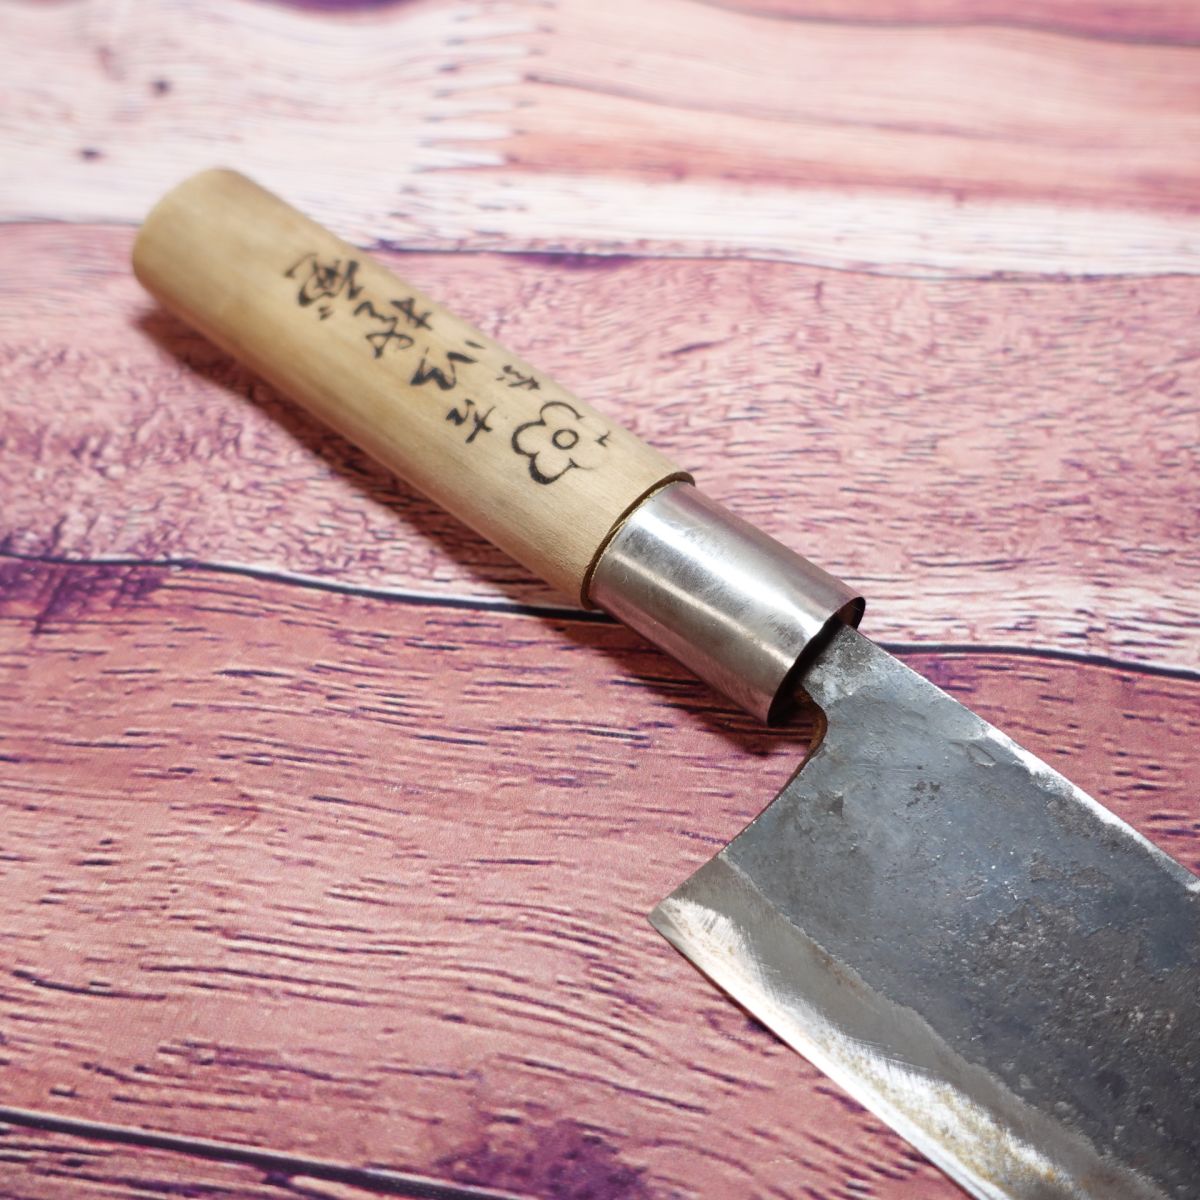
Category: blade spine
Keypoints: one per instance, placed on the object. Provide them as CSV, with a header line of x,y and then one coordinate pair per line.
x,y
1037,767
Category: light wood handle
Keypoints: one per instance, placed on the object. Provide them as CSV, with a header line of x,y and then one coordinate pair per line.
x,y
491,439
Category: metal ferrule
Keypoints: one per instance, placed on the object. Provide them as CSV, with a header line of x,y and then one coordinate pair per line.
x,y
733,605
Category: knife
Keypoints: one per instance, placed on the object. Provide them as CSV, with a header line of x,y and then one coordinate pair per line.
x,y
972,947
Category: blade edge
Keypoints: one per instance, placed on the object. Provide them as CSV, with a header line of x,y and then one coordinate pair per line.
x,y
997,1151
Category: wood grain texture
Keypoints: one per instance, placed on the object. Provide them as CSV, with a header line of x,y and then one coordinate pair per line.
x,y
1173,21
1011,465
368,879
40,1166
43,1154
671,101
683,128
323,827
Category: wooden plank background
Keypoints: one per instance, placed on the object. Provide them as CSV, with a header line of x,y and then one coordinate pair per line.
x,y
326,831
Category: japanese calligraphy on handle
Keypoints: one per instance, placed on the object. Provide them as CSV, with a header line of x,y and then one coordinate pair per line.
x,y
503,447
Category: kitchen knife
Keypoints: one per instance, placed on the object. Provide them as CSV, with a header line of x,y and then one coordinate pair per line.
x,y
971,946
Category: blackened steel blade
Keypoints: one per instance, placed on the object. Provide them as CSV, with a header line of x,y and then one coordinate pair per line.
x,y
976,950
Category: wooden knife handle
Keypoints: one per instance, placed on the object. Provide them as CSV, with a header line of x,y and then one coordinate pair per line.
x,y
478,430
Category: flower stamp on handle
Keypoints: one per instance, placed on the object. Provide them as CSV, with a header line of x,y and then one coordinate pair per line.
x,y
561,439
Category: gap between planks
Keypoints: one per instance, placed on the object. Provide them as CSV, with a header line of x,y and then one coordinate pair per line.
x,y
292,1166
575,614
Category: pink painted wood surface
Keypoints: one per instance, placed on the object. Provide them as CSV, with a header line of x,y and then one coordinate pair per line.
x,y
325,829
678,127
669,98
35,1166
41,1155
367,880
1135,20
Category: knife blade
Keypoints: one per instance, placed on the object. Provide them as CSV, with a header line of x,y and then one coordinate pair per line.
x,y
971,946
974,948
